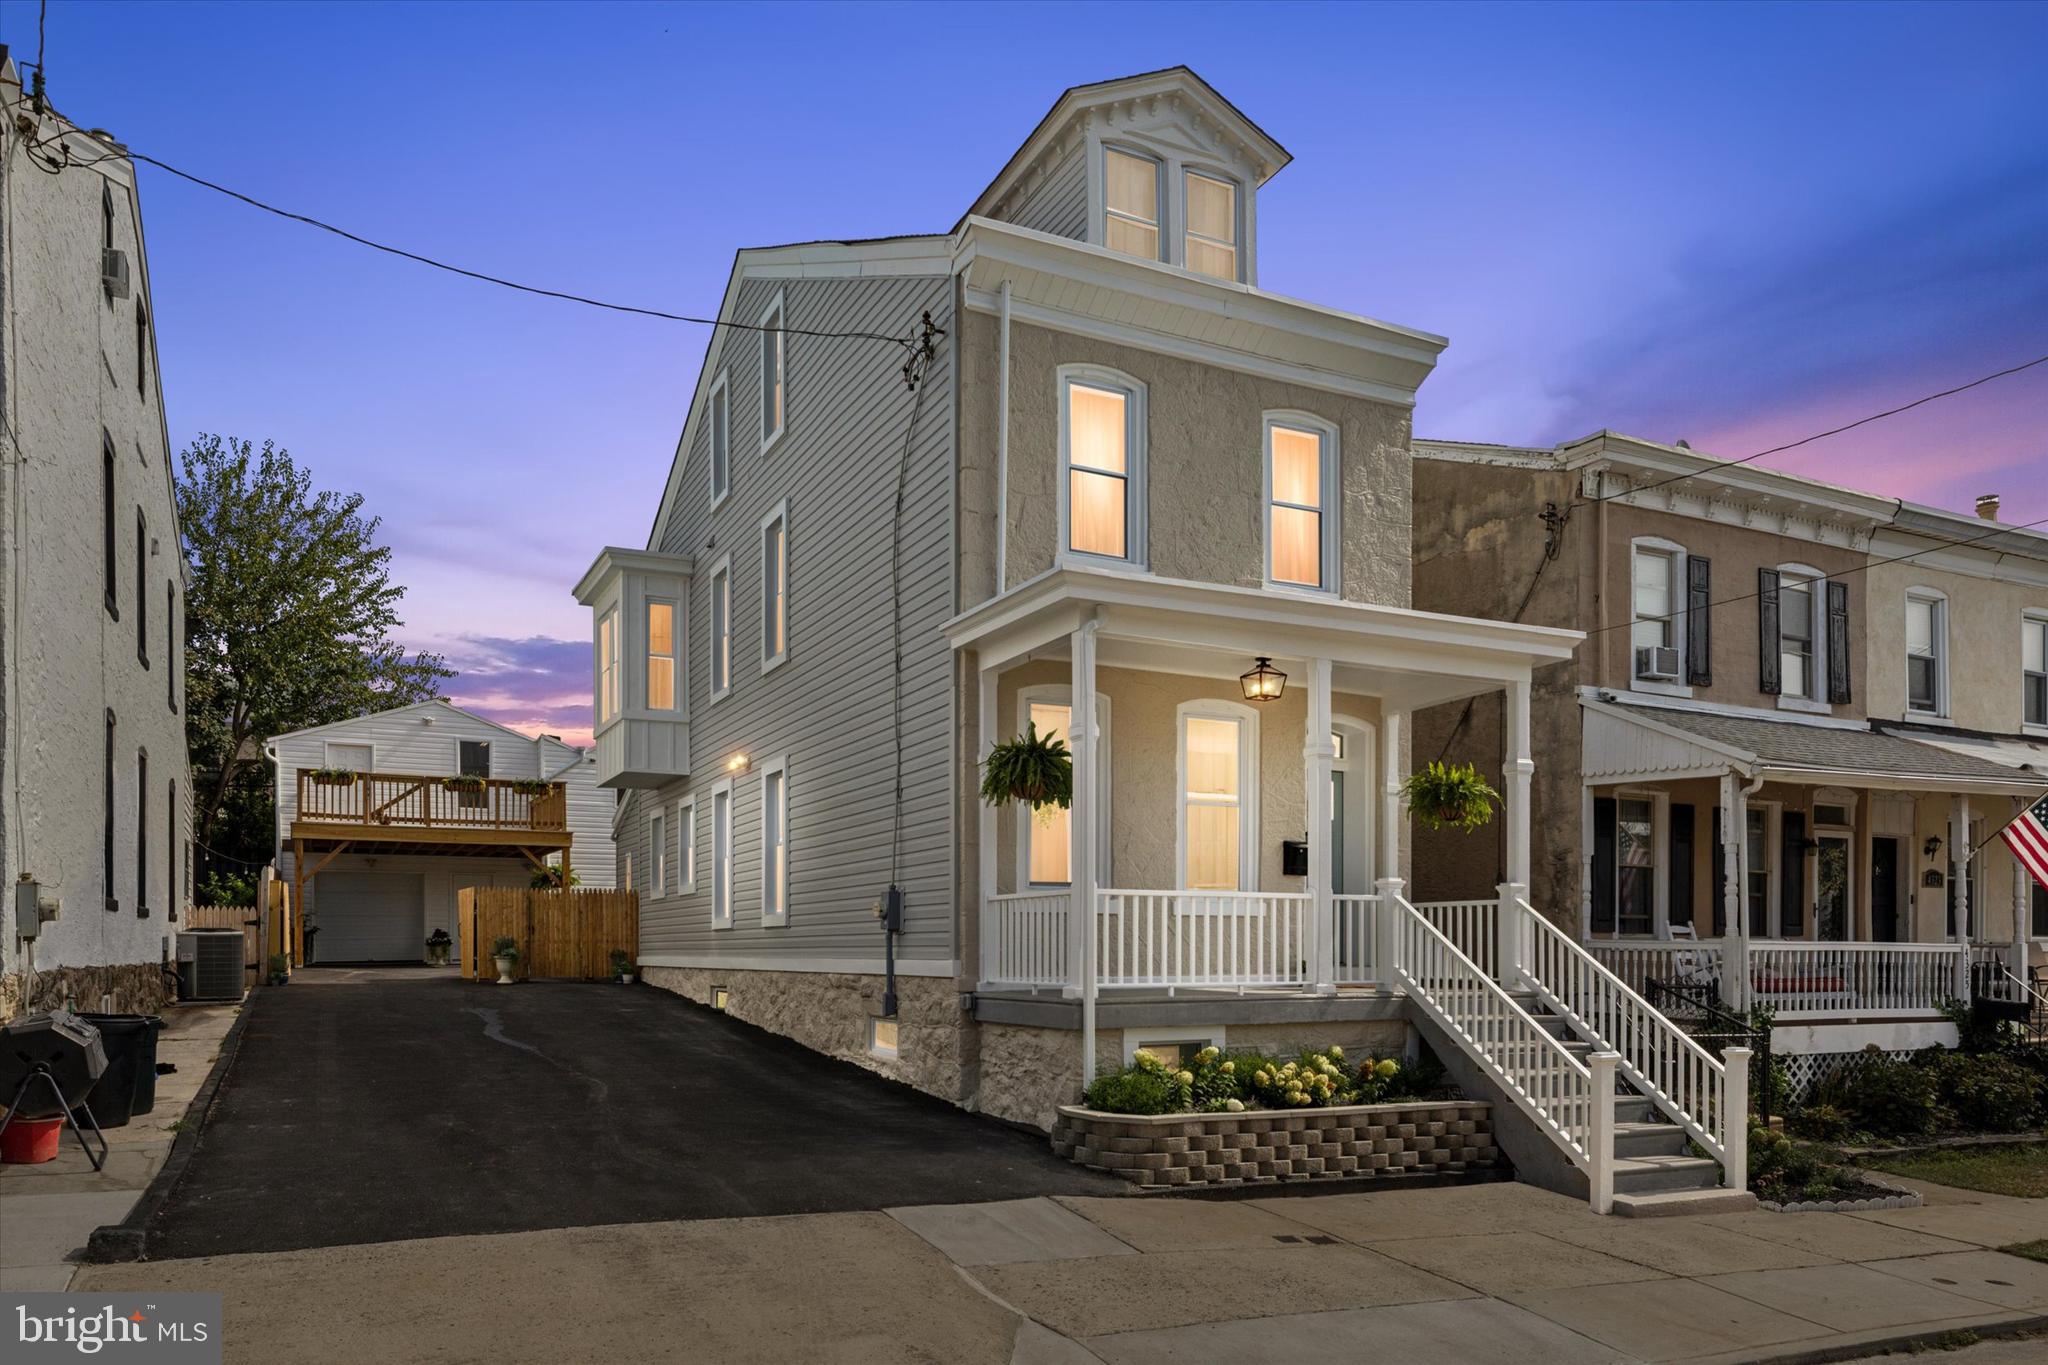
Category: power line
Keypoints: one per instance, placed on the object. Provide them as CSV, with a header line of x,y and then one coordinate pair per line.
x,y
132,155
1820,435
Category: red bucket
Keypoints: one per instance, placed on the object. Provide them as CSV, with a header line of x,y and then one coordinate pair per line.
x,y
29,1142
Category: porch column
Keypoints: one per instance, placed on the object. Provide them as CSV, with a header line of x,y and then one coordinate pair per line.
x,y
1317,756
1959,856
1389,883
1735,874
1520,771
2017,958
985,847
1081,737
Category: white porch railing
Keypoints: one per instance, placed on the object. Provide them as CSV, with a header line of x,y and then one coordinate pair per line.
x,y
1639,962
1572,1101
1231,939
1699,1092
1355,928
1472,925
1027,935
1800,980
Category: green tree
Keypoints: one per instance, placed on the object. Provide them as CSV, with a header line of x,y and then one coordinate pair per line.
x,y
288,622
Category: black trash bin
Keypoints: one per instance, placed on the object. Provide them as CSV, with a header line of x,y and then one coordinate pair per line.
x,y
128,1086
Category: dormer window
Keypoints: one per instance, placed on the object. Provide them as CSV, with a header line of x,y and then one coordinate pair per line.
x,y
1211,246
1131,192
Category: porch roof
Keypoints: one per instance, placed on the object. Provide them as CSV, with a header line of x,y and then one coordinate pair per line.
x,y
1624,741
1411,658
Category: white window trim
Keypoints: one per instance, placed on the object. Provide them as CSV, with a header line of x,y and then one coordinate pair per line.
x,y
720,571
1161,230
770,662
327,752
2029,619
721,391
1773,813
608,647
1941,692
1237,209
778,765
626,873
1330,563
1679,556
657,847
674,656
686,846
1247,786
1858,870
490,755
1063,695
1660,859
1817,593
722,878
774,310
1136,553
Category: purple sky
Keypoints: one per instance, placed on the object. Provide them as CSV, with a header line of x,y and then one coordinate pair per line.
x,y
1733,224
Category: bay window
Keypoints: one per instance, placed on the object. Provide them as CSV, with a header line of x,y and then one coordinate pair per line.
x,y
607,667
1301,487
1102,458
1131,202
661,656
1210,244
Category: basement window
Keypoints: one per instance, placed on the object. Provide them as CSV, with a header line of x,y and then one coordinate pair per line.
x,y
882,1038
719,997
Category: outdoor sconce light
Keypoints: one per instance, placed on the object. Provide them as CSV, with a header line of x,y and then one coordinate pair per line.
x,y
1933,845
1264,682
738,763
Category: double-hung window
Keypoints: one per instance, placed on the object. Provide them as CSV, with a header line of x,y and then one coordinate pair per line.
x,y
657,847
721,854
774,373
721,629
607,667
720,440
1926,644
775,842
775,587
1653,632
2034,670
141,588
686,846
661,655
1218,779
1798,600
1210,242
142,833
109,554
1102,440
1131,203
1301,481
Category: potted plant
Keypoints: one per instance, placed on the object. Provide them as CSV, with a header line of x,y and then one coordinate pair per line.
x,y
1029,768
438,944
333,777
622,966
531,786
505,954
466,783
552,878
1450,794
280,969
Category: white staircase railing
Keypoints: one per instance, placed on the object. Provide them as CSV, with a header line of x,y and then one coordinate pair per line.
x,y
1702,1094
1571,1101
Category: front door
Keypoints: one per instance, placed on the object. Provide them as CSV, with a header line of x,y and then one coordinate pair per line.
x,y
473,759
1831,892
1884,890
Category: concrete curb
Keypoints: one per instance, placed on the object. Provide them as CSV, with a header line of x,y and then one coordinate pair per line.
x,y
1915,1341
128,1240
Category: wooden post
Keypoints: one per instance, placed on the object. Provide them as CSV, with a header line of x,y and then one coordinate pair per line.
x,y
298,906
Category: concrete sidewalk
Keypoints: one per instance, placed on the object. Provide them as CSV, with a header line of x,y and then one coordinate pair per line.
x,y
48,1211
1480,1273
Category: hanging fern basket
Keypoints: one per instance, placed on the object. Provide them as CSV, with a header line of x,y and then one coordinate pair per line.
x,y
1450,796
1029,768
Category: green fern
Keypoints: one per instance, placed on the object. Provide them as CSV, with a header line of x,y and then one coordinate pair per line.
x,y
1030,768
1450,794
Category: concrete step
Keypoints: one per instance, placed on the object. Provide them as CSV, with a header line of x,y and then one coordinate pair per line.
x,y
1630,1107
1648,1139
1659,1174
1682,1203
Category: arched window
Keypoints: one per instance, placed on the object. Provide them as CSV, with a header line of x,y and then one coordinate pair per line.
x,y
1102,465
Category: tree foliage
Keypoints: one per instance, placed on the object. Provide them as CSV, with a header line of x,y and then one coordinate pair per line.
x,y
289,618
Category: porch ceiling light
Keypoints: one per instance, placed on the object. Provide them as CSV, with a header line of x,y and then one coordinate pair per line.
x,y
1264,682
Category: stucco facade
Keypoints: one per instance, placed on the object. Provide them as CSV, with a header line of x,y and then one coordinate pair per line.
x,y
91,587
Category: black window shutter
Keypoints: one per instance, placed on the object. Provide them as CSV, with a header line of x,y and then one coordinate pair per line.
x,y
1680,872
1714,911
1767,632
1699,630
1603,864
1792,875
1838,642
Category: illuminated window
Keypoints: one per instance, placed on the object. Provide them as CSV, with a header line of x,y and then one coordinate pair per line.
x,y
1048,836
1215,768
1101,433
1211,239
661,656
1131,196
1300,489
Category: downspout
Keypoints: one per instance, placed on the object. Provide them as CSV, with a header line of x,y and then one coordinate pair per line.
x,y
1003,447
1600,575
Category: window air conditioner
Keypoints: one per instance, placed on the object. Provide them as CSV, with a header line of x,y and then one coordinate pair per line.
x,y
1657,663
114,272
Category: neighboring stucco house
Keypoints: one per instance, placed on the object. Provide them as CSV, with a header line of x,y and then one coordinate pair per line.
x,y
1743,636
95,793
383,818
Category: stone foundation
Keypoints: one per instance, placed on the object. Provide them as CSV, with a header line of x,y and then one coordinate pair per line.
x,y
135,988
1361,1141
828,1012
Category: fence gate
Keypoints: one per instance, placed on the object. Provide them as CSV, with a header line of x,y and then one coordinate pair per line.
x,y
561,933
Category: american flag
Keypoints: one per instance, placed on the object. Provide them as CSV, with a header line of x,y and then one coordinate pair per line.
x,y
2027,837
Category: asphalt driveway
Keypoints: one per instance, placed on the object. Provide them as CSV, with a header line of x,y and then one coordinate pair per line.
x,y
378,1105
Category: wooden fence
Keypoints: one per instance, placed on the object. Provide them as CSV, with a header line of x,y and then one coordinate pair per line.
x,y
243,917
560,933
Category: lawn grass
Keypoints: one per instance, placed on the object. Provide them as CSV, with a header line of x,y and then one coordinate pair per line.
x,y
2019,1170
2033,1251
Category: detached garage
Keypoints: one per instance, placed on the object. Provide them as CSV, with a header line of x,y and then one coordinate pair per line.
x,y
372,916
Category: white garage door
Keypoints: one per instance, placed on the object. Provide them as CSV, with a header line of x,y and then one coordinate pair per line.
x,y
370,916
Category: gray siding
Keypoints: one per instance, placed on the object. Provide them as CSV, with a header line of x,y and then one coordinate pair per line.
x,y
828,708
1059,203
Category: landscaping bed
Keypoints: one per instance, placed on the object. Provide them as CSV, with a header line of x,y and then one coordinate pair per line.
x,y
2014,1169
1271,1145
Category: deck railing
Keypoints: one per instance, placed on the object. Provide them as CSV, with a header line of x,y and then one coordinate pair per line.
x,y
421,801
1230,939
1798,980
